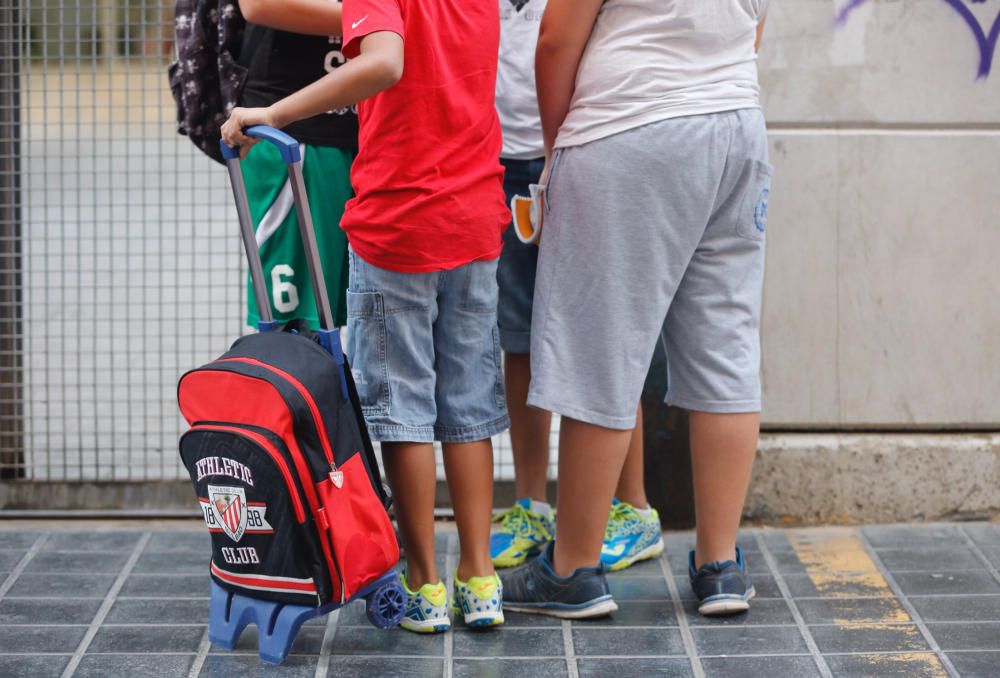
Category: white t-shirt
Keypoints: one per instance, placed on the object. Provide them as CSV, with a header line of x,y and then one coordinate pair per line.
x,y
517,102
649,60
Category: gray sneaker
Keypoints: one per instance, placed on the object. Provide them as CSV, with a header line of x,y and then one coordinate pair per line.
x,y
535,588
722,588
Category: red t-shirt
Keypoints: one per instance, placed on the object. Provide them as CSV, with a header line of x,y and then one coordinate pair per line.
x,y
427,179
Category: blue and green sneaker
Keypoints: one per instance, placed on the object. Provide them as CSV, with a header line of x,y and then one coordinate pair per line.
x,y
479,600
426,608
630,536
522,534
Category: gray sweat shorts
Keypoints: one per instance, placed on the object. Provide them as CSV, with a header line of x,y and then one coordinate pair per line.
x,y
656,232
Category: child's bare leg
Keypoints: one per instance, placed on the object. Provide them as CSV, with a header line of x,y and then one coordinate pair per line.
x,y
723,447
529,429
631,484
469,467
590,462
412,471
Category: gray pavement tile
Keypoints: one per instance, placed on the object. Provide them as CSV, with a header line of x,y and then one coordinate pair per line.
x,y
748,640
18,540
975,664
174,542
141,611
47,611
929,583
309,640
869,638
147,639
682,542
957,608
786,562
508,642
841,586
250,666
645,568
10,559
764,584
764,611
62,562
983,534
41,638
628,642
905,665
76,585
776,540
133,665
633,668
372,641
157,586
116,540
32,666
631,613
755,667
638,588
923,560
852,610
973,636
182,562
913,536
507,668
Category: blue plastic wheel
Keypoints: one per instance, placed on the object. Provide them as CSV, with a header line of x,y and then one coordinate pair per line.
x,y
386,605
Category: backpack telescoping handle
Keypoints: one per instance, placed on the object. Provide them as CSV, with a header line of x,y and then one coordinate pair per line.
x,y
290,153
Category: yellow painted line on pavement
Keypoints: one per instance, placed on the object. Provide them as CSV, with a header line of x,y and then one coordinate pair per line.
x,y
841,570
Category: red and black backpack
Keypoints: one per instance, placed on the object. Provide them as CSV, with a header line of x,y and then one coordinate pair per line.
x,y
285,472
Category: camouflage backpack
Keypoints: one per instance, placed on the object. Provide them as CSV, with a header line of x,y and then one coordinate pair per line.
x,y
206,78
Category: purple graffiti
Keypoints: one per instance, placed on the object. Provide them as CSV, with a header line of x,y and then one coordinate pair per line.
x,y
987,42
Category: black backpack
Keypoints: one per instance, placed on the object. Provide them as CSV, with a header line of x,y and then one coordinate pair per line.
x,y
206,79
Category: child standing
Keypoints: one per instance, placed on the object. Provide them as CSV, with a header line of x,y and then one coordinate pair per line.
x,y
633,530
425,233
658,190
287,45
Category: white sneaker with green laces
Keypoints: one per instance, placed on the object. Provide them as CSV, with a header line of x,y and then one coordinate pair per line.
x,y
631,535
479,600
426,608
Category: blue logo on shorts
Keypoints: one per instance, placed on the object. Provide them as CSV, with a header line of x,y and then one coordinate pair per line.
x,y
760,211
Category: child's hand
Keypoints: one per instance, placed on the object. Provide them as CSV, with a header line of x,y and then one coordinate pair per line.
x,y
241,118
543,180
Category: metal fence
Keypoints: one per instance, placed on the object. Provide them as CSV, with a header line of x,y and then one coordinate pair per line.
x,y
119,258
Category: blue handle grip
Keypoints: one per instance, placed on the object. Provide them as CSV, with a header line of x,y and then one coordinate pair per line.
x,y
288,146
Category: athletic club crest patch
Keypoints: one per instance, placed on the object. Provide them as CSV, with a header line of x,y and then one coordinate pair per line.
x,y
227,510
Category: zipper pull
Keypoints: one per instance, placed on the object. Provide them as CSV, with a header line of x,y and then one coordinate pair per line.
x,y
336,476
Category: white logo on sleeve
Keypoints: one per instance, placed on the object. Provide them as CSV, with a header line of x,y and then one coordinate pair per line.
x,y
359,21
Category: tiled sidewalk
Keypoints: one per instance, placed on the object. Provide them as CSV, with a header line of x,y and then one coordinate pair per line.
x,y
129,599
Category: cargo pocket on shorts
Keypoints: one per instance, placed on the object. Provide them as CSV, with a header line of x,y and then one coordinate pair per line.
x,y
366,327
752,218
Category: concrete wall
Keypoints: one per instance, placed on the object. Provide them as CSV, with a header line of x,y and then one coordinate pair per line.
x,y
882,298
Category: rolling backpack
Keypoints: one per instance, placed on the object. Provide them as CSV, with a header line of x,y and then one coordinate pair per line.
x,y
282,466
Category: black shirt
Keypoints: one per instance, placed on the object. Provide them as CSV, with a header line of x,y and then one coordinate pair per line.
x,y
279,63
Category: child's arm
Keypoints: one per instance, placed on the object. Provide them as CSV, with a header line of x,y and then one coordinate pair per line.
x,y
565,30
760,33
378,66
309,17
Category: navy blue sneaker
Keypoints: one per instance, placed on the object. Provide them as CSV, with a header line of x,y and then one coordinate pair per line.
x,y
722,587
535,588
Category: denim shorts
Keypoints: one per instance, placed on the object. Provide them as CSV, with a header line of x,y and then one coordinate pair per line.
x,y
425,352
516,272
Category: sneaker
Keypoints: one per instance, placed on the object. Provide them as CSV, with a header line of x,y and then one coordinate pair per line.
x,y
536,589
522,534
630,536
426,608
479,600
722,587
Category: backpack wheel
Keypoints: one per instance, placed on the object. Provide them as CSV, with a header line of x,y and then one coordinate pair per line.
x,y
386,606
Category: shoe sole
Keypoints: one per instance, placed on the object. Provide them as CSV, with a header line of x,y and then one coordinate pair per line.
x,y
650,551
426,626
602,608
482,619
725,606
